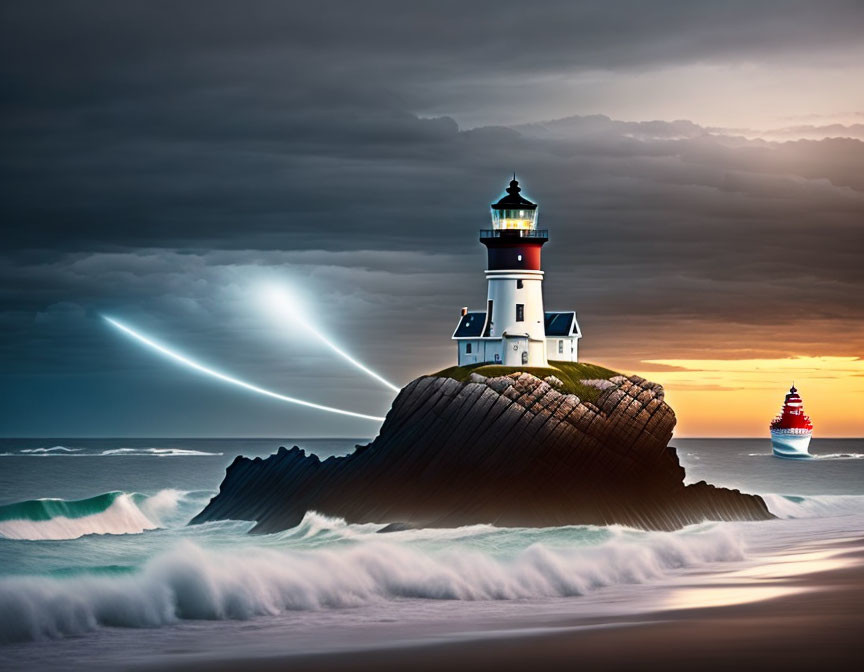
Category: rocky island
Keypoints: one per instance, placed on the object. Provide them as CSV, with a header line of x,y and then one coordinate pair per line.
x,y
562,445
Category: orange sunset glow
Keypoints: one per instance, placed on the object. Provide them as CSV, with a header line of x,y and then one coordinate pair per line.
x,y
725,398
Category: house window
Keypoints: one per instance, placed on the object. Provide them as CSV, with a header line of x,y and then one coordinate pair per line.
x,y
524,356
518,257
468,348
519,284
520,312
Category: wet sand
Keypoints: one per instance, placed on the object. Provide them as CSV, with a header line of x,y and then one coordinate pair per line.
x,y
820,625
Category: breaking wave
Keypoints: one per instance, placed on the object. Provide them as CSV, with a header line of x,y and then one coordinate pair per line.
x,y
108,513
191,582
813,506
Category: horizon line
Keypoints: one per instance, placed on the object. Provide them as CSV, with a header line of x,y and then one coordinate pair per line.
x,y
346,438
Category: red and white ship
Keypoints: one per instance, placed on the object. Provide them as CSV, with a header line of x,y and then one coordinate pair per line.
x,y
791,429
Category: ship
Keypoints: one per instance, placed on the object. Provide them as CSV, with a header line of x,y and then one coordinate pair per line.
x,y
791,429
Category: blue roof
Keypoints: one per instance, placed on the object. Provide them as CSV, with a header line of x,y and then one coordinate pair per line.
x,y
559,324
556,324
470,326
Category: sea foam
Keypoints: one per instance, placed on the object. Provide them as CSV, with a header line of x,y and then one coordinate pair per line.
x,y
157,452
63,451
192,582
54,449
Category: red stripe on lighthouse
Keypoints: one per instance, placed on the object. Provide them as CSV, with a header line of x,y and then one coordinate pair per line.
x,y
514,256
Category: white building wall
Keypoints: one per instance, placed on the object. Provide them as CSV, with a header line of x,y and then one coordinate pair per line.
x,y
505,295
482,350
494,351
510,349
537,353
570,346
464,357
513,349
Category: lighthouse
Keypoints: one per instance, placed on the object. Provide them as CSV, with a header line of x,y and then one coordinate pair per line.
x,y
515,330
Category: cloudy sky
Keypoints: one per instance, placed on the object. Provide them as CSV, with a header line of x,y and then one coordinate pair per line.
x,y
700,168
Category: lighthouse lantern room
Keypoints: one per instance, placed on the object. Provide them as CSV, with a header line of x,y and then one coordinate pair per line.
x,y
514,330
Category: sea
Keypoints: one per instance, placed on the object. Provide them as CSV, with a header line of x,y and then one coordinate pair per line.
x,y
99,569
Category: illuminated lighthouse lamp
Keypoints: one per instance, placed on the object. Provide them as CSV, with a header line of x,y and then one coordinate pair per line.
x,y
514,211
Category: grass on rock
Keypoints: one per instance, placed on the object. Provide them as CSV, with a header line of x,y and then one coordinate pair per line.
x,y
571,374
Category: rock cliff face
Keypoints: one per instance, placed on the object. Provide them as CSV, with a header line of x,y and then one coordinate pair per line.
x,y
509,450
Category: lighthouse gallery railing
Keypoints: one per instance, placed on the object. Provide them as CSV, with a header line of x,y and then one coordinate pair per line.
x,y
542,234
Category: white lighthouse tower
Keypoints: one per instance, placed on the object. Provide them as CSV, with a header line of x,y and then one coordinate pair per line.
x,y
515,330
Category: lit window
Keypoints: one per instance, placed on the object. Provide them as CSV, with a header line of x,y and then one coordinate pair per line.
x,y
520,312
518,257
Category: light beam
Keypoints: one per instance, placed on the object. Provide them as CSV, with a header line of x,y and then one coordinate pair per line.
x,y
177,357
287,306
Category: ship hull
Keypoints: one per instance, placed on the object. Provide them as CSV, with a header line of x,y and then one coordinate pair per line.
x,y
786,444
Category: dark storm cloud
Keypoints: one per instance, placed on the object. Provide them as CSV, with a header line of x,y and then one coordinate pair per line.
x,y
159,159
502,37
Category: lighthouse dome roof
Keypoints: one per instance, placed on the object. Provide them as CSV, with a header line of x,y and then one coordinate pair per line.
x,y
514,200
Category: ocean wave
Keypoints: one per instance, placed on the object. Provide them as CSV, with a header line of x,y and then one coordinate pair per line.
x,y
62,451
158,452
190,582
813,506
817,456
108,513
54,449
